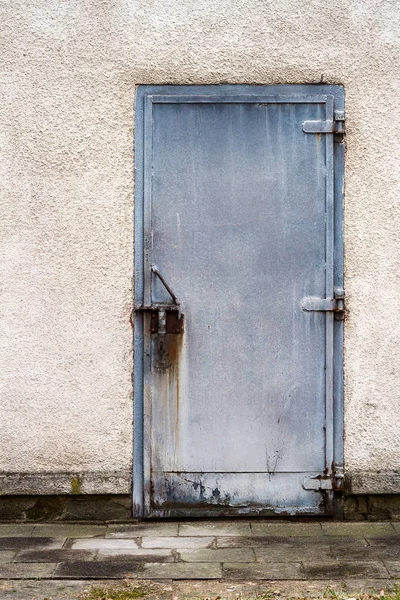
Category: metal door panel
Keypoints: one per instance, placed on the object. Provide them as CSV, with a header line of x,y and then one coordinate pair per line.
x,y
225,494
238,215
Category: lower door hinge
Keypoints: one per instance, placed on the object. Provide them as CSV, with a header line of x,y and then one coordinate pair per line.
x,y
332,482
328,126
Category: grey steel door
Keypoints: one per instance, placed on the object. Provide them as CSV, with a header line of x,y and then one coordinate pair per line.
x,y
238,300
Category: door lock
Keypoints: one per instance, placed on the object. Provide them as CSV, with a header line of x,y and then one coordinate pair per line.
x,y
166,317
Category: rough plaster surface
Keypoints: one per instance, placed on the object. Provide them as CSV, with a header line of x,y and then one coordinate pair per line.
x,y
69,70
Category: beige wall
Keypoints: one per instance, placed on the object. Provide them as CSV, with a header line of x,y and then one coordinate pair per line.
x,y
69,70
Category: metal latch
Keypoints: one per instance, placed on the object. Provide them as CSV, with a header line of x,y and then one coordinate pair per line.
x,y
335,304
328,126
166,317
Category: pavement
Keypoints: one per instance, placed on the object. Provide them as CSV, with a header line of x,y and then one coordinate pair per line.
x,y
199,557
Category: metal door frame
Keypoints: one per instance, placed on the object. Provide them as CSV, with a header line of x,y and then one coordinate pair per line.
x,y
333,98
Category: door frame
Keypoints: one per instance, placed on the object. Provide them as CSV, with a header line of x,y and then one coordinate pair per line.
x,y
333,97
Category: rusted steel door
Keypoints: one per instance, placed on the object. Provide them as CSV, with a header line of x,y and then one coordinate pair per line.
x,y
238,323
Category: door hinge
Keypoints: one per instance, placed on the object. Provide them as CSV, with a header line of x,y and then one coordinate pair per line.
x,y
335,304
328,126
332,483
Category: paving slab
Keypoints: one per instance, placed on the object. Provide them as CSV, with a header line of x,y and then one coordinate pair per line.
x,y
53,556
290,541
220,528
45,588
16,530
281,553
396,526
393,566
336,569
366,529
142,529
181,571
217,556
284,529
7,556
104,544
22,543
177,543
138,555
281,570
369,552
26,570
393,541
107,569
258,589
69,530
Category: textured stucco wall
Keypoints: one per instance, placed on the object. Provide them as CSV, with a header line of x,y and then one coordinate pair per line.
x,y
68,73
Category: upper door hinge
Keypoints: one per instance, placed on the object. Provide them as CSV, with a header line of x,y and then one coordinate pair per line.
x,y
335,304
328,126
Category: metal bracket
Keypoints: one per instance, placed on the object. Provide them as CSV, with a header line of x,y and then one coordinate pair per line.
x,y
336,304
165,317
329,126
156,272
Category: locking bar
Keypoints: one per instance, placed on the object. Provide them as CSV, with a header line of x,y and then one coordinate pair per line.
x,y
166,317
156,271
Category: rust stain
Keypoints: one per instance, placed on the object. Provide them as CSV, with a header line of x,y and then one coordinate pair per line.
x,y
168,363
175,342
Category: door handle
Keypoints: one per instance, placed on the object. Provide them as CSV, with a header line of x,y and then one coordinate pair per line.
x,y
166,317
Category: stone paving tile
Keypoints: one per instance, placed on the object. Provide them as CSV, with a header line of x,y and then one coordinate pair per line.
x,y
396,526
53,556
221,528
26,570
104,544
281,554
366,529
344,569
393,566
137,555
178,543
251,589
387,540
295,541
283,529
366,553
16,530
216,556
142,529
25,543
69,530
248,571
105,569
30,589
7,556
180,571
